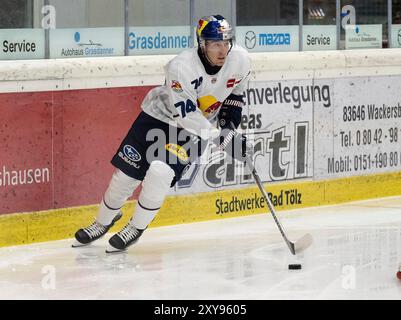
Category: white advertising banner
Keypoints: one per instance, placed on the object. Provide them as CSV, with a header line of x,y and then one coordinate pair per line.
x,y
320,129
86,42
158,40
268,38
22,44
362,133
278,120
363,36
396,36
319,37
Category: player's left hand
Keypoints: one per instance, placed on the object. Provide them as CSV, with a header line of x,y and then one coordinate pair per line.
x,y
231,111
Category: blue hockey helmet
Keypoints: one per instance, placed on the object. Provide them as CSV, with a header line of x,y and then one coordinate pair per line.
x,y
214,27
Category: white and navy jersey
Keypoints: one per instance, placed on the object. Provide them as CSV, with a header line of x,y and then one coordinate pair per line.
x,y
191,98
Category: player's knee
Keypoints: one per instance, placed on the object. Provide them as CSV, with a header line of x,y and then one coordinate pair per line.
x,y
156,184
160,174
120,189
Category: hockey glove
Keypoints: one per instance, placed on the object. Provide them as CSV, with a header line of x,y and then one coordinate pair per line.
x,y
231,111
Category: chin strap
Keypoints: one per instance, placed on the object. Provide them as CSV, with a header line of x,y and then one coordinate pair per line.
x,y
208,60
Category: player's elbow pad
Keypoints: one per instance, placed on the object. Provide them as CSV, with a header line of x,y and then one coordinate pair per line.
x,y
195,126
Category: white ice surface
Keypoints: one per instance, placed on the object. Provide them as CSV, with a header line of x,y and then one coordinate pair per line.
x,y
355,255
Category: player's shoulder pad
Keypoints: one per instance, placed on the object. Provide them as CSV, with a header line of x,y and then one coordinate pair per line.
x,y
240,57
183,63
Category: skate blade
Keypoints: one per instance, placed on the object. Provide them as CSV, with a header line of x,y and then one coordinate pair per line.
x,y
111,249
78,244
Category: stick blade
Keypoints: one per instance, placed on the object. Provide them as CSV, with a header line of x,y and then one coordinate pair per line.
x,y
303,243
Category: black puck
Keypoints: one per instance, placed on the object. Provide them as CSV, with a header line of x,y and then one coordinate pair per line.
x,y
294,266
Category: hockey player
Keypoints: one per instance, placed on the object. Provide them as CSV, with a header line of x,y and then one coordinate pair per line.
x,y
203,85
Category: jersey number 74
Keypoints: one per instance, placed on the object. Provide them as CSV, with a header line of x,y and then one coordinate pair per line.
x,y
186,107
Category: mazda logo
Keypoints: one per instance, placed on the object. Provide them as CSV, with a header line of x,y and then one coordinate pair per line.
x,y
250,39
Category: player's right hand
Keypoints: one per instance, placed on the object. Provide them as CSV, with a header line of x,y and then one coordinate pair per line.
x,y
235,144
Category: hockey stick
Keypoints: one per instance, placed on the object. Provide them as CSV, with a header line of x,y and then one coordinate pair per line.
x,y
295,247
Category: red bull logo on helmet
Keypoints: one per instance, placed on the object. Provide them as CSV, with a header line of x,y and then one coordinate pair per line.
x,y
214,27
201,25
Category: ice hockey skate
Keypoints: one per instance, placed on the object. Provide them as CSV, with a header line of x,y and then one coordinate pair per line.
x,y
93,232
124,238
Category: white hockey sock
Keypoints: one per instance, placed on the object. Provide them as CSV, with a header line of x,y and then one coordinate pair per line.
x,y
154,190
120,189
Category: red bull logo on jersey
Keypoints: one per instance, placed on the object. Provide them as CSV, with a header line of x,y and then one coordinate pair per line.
x,y
176,86
208,105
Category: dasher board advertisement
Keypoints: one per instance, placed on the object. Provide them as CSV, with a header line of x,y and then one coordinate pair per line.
x,y
278,120
158,40
268,38
86,42
363,36
319,38
362,133
22,44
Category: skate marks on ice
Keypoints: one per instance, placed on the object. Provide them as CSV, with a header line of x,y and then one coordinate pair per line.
x,y
355,252
341,264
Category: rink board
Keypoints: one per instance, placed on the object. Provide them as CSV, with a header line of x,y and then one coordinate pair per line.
x,y
58,145
23,228
62,120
